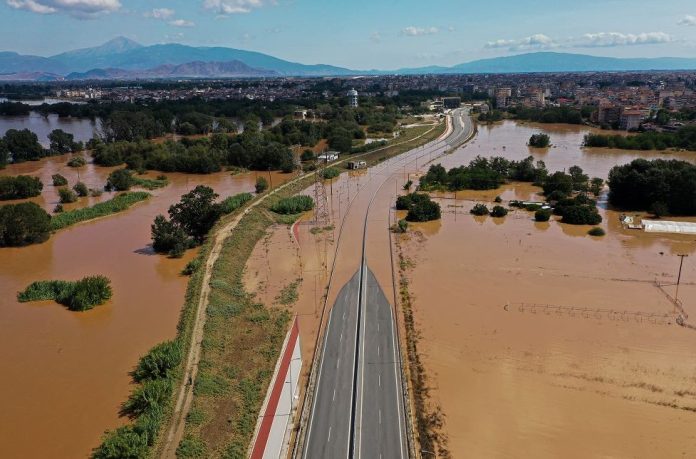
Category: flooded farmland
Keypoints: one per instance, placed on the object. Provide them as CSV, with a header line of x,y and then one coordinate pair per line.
x,y
541,341
65,374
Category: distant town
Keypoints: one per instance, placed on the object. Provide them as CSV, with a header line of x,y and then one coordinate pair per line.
x,y
622,100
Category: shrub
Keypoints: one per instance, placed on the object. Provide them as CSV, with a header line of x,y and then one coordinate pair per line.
x,y
158,362
59,180
596,231
293,205
76,161
423,210
403,225
191,448
229,205
81,189
542,215
66,196
480,210
539,140
407,186
498,199
330,173
261,185
532,207
23,224
123,443
499,211
19,187
120,180
151,395
581,215
191,267
77,296
150,184
58,208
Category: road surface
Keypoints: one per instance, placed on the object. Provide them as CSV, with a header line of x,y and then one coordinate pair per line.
x,y
358,404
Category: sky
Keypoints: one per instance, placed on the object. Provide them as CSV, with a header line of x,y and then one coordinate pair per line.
x,y
361,34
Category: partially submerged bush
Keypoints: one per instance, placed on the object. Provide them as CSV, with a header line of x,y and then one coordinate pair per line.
x,y
261,185
499,211
542,215
22,224
19,187
66,196
59,180
480,210
596,231
77,296
120,180
330,173
420,207
581,215
81,189
293,205
77,161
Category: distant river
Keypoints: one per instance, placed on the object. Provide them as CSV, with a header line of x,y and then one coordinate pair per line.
x,y
82,128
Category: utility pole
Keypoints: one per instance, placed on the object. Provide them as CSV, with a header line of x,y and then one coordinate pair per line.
x,y
681,263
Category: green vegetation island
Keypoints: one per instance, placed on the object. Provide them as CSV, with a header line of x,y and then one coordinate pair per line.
x,y
80,295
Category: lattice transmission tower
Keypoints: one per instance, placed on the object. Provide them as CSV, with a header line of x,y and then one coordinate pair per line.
x,y
321,200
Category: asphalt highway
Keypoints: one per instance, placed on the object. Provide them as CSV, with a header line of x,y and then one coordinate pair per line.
x,y
358,405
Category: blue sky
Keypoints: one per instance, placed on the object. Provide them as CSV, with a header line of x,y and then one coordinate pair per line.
x,y
361,34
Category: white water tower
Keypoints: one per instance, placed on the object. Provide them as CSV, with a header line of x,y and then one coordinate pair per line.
x,y
353,98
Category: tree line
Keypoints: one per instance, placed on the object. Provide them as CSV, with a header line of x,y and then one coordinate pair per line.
x,y
684,138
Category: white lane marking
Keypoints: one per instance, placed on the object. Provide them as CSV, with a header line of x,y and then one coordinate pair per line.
x,y
377,326
380,380
338,363
318,386
377,351
329,439
380,417
341,338
362,352
334,395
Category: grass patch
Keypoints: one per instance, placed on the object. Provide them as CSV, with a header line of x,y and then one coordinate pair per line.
x,y
288,295
77,296
151,184
293,205
112,206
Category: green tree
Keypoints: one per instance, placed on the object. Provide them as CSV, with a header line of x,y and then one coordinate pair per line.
x,y
539,140
66,196
81,189
19,187
62,142
261,185
23,145
59,180
499,211
23,224
120,180
196,212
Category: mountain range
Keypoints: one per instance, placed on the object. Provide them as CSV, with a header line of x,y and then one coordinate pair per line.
x,y
124,59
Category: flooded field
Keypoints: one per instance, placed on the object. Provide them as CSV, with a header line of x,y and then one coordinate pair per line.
x,y
541,341
509,139
65,374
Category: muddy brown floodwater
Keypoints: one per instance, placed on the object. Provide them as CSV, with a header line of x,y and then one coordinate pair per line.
x,y
65,374
516,371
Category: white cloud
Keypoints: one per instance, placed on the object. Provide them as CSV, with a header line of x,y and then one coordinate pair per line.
x,y
160,13
181,23
83,9
413,31
375,37
536,41
611,39
687,20
589,40
227,7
